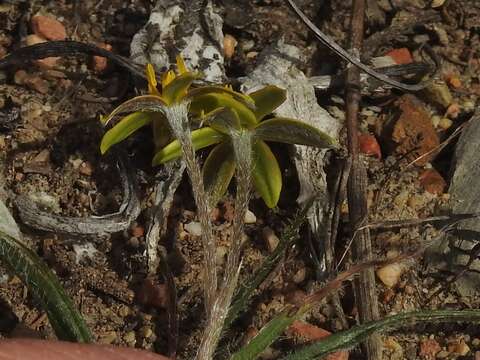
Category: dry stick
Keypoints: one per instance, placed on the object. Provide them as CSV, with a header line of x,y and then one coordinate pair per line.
x,y
364,285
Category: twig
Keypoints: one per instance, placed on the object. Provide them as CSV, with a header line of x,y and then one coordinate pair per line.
x,y
32,215
333,46
364,285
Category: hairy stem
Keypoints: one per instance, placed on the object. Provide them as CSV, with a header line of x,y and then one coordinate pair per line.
x,y
241,142
177,116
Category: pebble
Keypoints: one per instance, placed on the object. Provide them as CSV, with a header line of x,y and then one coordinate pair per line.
x,y
476,342
48,27
389,275
439,93
271,240
445,123
100,63
229,45
123,311
146,332
107,338
432,182
193,228
368,145
250,217
460,348
86,168
429,348
300,275
130,338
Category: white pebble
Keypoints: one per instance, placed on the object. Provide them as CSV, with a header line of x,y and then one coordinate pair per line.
x,y
193,228
250,217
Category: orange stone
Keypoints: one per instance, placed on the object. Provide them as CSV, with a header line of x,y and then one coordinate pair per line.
x,y
429,348
48,28
432,182
401,56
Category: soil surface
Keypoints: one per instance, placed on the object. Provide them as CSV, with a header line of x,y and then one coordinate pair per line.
x,y
49,149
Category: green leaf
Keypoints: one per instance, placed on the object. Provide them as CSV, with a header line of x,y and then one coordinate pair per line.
x,y
204,104
204,90
293,132
267,176
125,127
218,170
267,100
224,120
66,321
144,103
267,335
201,138
177,89
357,334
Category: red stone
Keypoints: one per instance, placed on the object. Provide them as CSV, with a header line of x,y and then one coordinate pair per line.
x,y
368,145
401,56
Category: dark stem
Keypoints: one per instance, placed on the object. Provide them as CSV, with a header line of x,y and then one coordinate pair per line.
x,y
364,285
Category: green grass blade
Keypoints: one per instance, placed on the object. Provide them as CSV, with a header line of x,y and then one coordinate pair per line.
x,y
248,288
358,334
44,285
267,335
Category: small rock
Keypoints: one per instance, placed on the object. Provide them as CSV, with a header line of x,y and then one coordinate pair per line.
x,y
476,342
429,349
36,83
439,93
443,354
20,76
48,27
460,348
146,332
453,111
445,123
193,228
391,344
137,231
368,145
389,275
454,81
152,294
86,169
437,3
124,311
130,338
100,63
300,275
107,338
46,63
271,240
310,332
250,217
432,182
229,45
411,132
400,56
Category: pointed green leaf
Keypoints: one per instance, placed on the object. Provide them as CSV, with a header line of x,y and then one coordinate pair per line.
x,y
293,132
224,120
125,127
204,90
218,170
201,138
267,100
177,89
204,104
267,176
145,103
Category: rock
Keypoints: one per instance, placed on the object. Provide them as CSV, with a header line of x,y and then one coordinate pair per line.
x,y
130,338
86,169
36,83
229,45
46,62
193,228
146,332
453,111
438,93
250,217
368,145
391,344
389,275
432,182
100,63
400,56
429,349
460,348
271,240
300,275
309,333
445,123
48,27
437,3
410,131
